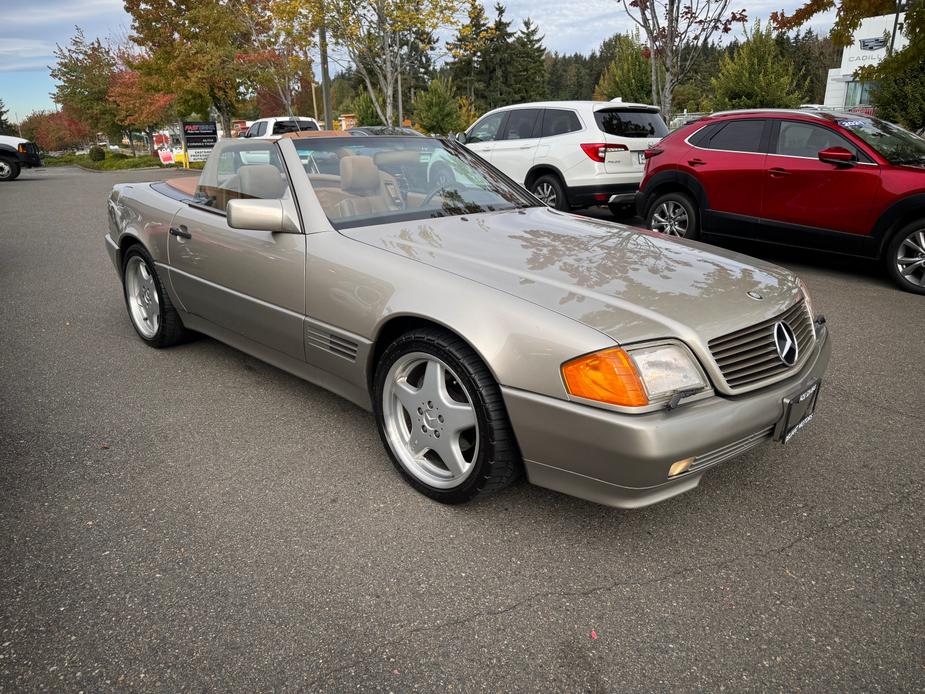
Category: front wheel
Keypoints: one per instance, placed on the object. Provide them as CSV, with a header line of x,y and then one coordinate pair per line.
x,y
673,214
442,419
905,257
8,170
152,314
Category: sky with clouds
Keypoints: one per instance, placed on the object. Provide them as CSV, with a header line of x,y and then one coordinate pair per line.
x,y
30,30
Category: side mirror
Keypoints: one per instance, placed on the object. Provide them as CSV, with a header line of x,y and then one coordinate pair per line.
x,y
838,156
260,215
460,138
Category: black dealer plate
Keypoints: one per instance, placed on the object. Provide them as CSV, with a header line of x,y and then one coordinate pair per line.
x,y
799,410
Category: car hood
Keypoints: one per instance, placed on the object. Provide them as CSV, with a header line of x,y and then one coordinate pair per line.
x,y
630,284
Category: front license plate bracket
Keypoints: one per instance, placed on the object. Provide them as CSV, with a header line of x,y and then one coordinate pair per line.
x,y
799,410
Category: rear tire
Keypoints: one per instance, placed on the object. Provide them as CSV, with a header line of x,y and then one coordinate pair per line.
x,y
550,190
9,170
905,257
442,419
674,214
149,308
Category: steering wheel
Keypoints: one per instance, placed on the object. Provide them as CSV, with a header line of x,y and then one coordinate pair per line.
x,y
431,195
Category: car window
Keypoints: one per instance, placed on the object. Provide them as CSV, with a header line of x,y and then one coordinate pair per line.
x,y
521,124
798,139
896,145
557,121
378,180
486,129
242,170
257,129
627,123
281,127
737,136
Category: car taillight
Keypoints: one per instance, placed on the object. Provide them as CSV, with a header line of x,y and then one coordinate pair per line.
x,y
652,152
598,150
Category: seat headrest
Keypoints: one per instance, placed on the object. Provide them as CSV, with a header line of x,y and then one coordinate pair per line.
x,y
359,175
261,181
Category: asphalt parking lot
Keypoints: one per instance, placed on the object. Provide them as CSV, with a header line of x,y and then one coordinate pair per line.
x,y
193,519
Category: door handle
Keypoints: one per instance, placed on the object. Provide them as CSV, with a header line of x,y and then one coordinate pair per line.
x,y
180,232
696,162
525,147
778,172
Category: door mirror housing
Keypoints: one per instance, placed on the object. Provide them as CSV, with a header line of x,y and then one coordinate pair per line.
x,y
460,137
260,215
838,156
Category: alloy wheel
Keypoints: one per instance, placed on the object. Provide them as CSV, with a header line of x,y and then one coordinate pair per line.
x,y
546,193
670,218
430,421
143,301
910,258
5,169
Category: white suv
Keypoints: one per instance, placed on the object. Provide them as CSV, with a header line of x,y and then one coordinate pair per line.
x,y
266,127
570,154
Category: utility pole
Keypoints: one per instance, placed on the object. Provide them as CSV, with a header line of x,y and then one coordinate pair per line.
x,y
325,78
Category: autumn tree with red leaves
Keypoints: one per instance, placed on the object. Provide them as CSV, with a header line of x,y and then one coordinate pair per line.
x,y
56,130
137,106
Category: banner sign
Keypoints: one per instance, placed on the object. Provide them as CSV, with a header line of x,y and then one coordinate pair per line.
x,y
197,154
200,134
166,156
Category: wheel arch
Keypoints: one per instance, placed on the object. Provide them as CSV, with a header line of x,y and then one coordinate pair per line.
x,y
672,182
894,218
396,325
538,170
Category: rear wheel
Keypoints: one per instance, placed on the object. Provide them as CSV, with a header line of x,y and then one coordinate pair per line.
x,y
442,418
550,190
905,257
674,214
8,170
152,314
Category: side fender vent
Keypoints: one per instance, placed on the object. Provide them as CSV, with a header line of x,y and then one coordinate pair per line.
x,y
319,338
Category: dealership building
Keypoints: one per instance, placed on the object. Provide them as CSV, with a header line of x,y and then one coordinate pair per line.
x,y
872,41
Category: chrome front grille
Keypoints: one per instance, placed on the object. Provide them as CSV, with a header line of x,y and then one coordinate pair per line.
x,y
730,450
748,357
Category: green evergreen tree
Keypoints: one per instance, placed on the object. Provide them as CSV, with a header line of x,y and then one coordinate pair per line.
x,y
467,51
6,128
900,96
436,110
495,69
629,75
528,68
757,76
364,109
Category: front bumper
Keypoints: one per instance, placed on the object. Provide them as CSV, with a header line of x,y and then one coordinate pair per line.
x,y
622,460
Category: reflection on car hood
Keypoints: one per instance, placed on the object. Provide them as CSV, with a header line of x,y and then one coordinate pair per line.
x,y
628,283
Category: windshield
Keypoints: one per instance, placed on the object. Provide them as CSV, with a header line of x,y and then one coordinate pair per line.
x,y
894,144
625,123
362,181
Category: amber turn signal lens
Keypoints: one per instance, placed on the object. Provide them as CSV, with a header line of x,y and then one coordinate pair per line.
x,y
606,376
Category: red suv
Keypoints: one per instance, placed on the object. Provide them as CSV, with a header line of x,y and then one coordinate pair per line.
x,y
842,182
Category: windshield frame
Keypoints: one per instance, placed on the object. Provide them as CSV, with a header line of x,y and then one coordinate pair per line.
x,y
522,198
849,124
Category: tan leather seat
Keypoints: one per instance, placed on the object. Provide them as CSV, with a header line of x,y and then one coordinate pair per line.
x,y
361,180
263,181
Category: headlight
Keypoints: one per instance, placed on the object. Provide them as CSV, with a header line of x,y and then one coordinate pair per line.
x,y
804,290
665,369
632,378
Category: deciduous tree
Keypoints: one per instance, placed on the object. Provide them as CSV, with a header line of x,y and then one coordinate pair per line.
x,y
83,72
676,31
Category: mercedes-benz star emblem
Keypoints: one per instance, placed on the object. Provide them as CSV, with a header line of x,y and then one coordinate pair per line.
x,y
786,343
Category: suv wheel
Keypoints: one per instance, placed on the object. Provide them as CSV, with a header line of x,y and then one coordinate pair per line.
x,y
905,257
674,214
550,190
8,170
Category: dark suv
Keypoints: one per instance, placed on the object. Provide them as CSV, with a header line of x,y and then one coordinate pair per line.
x,y
842,182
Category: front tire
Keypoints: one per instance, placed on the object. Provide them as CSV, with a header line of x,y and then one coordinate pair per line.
x,y
442,418
149,308
550,190
674,214
905,257
9,170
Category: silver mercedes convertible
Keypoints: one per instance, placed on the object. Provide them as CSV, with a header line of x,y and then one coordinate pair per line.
x,y
492,337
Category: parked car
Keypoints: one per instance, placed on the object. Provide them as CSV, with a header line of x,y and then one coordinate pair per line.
x,y
16,154
570,154
379,130
280,125
490,335
841,182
